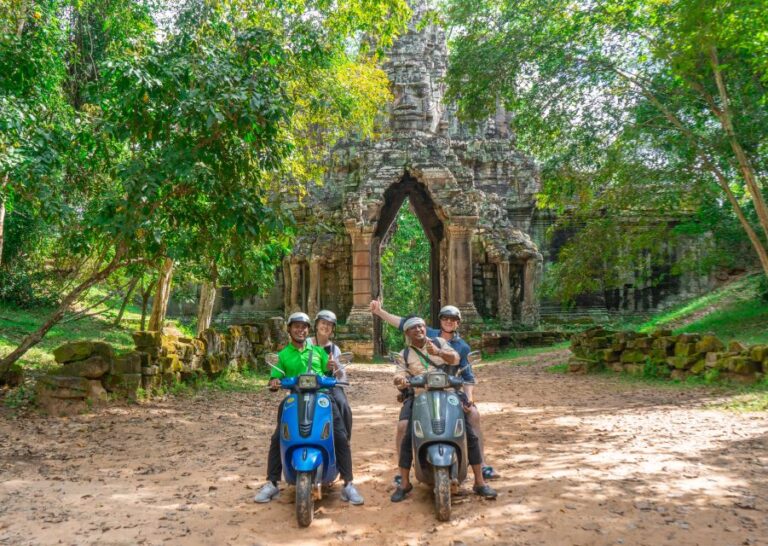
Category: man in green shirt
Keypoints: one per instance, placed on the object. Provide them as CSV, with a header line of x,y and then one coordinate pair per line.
x,y
300,357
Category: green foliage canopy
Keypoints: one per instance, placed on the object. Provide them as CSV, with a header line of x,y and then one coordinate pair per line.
x,y
640,111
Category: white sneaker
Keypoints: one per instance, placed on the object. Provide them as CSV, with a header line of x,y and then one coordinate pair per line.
x,y
266,493
350,494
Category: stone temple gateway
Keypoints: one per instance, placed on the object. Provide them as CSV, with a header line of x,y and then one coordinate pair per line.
x,y
472,191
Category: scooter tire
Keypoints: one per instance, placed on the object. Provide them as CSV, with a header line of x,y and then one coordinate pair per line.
x,y
305,502
442,493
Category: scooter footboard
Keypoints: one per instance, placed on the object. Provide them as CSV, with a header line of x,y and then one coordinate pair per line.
x,y
441,454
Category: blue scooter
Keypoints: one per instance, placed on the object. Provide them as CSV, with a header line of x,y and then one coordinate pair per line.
x,y
306,438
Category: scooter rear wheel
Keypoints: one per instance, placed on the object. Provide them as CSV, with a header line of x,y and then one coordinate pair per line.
x,y
305,502
442,493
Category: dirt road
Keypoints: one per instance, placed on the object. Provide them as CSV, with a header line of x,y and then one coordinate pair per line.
x,y
585,460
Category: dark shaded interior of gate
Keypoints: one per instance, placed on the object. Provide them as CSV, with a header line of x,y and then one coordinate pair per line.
x,y
424,208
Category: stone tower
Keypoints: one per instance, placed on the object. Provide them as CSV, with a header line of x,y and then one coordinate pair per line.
x,y
472,191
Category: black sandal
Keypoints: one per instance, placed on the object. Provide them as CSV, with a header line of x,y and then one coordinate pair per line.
x,y
401,493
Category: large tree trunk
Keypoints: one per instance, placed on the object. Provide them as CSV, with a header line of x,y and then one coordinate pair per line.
x,y
2,215
162,295
145,294
127,298
205,306
37,336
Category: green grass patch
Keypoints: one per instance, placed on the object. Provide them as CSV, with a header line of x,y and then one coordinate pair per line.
x,y
16,323
557,368
733,312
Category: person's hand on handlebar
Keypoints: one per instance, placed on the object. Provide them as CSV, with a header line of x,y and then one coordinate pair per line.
x,y
274,384
401,383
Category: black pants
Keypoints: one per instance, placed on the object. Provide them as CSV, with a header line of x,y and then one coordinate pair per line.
x,y
406,447
340,444
340,396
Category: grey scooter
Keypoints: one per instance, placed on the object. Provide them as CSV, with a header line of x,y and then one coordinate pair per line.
x,y
438,432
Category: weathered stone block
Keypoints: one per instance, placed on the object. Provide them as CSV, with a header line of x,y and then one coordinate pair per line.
x,y
682,362
63,387
91,368
759,353
96,391
128,363
709,343
634,369
698,367
123,385
688,338
146,339
741,365
685,349
608,355
150,370
170,363
633,357
737,347
80,350
640,343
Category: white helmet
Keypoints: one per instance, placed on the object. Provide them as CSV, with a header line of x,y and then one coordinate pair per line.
x,y
299,317
450,311
325,314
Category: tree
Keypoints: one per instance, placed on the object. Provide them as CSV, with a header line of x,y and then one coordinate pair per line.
x,y
188,144
635,107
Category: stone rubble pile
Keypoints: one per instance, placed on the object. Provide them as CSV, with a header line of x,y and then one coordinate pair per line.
x,y
91,372
662,354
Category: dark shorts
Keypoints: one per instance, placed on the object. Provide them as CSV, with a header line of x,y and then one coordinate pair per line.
x,y
406,410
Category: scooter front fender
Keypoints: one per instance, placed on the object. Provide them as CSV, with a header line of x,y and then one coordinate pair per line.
x,y
306,459
441,454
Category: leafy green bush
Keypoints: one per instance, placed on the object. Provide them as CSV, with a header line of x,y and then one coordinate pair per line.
x,y
23,289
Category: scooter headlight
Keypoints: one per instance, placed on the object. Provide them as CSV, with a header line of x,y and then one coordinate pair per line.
x,y
307,381
458,430
417,430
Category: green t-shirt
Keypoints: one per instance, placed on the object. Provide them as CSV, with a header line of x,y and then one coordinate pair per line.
x,y
294,361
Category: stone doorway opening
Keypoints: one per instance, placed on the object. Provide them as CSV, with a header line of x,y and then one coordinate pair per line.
x,y
426,211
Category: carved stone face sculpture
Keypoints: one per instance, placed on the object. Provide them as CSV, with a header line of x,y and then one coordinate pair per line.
x,y
415,66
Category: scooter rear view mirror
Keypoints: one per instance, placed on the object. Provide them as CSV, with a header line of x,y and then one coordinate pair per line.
x,y
474,357
271,360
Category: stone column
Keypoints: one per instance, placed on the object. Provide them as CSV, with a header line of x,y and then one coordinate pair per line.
x,y
505,303
313,299
360,316
460,232
287,284
530,311
295,285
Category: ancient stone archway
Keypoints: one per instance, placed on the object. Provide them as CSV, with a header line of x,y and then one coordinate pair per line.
x,y
426,212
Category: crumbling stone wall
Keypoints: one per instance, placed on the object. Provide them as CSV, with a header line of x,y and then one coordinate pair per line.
x,y
663,354
91,372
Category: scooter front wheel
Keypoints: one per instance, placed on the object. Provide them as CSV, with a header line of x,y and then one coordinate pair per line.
x,y
442,493
305,502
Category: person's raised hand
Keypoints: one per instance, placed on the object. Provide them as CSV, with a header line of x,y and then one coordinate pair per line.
x,y
432,348
375,307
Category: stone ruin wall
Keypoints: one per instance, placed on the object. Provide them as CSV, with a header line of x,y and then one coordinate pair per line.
x,y
90,372
663,355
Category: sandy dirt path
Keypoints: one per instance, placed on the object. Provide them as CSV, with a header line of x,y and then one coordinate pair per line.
x,y
585,460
